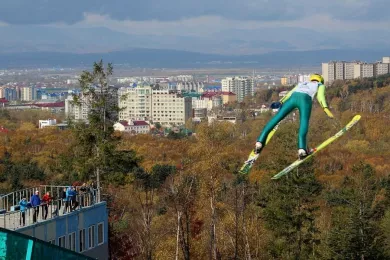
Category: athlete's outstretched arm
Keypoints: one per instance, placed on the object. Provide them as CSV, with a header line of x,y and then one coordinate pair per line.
x,y
322,100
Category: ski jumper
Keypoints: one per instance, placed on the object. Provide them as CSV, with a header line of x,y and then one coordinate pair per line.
x,y
300,97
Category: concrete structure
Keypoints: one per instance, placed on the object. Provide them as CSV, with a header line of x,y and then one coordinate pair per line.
x,y
363,70
199,113
343,70
170,108
134,127
381,68
45,123
135,103
303,78
228,97
284,81
349,70
165,106
190,86
230,119
241,86
28,93
83,230
80,111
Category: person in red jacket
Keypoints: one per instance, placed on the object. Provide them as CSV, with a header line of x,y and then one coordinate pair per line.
x,y
46,199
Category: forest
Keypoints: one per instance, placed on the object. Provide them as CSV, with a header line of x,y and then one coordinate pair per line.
x,y
182,198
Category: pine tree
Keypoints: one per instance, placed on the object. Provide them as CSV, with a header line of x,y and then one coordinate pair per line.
x,y
355,232
95,149
289,208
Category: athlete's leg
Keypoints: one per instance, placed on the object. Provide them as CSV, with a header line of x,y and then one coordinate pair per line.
x,y
304,103
280,115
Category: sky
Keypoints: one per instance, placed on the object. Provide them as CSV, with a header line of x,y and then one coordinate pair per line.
x,y
209,20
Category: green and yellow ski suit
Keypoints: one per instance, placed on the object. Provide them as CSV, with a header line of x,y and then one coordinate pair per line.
x,y
300,97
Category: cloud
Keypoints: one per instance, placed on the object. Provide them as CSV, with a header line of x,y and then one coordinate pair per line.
x,y
73,11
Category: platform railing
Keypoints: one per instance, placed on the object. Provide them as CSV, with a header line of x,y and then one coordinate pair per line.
x,y
46,211
10,200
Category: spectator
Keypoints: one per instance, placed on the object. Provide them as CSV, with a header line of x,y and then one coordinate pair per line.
x,y
73,199
46,200
92,189
23,207
62,198
83,194
35,203
67,199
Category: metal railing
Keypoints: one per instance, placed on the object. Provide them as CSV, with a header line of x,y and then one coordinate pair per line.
x,y
10,200
45,211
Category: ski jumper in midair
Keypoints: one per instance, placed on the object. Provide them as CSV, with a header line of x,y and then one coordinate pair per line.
x,y
300,97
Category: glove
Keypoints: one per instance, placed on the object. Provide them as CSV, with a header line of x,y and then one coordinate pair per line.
x,y
276,105
328,113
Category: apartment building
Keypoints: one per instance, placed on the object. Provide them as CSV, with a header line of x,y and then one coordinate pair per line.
x,y
158,105
135,103
80,111
77,112
283,81
363,70
170,108
349,70
343,70
28,93
381,68
190,86
241,86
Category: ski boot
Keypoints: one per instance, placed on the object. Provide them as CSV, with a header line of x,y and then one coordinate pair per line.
x,y
258,147
302,153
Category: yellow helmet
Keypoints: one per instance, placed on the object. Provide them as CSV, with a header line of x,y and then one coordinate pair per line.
x,y
317,77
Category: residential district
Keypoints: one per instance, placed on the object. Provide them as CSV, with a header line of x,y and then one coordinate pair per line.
x,y
169,101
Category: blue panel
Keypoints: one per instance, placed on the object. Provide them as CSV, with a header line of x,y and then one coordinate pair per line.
x,y
73,223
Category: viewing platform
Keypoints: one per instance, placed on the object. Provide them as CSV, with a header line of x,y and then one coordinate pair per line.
x,y
77,221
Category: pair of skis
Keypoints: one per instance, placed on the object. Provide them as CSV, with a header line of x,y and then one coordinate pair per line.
x,y
253,157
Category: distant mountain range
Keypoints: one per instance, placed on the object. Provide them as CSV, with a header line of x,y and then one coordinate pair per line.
x,y
48,46
160,58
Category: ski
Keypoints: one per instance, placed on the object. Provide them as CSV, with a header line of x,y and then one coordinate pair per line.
x,y
247,166
295,164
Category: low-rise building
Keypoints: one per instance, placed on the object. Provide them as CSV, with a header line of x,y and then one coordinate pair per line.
x,y
46,123
134,127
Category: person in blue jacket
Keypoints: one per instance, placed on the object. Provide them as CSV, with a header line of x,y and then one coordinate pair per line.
x,y
35,203
67,199
23,207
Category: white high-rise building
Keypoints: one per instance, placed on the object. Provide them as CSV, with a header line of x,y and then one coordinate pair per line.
x,y
241,86
135,103
28,93
349,70
158,105
303,78
385,59
190,86
80,111
363,70
328,72
381,68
